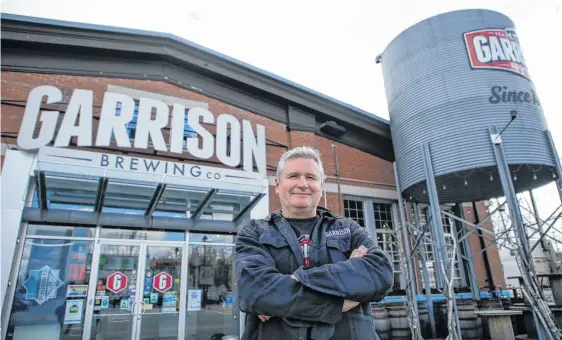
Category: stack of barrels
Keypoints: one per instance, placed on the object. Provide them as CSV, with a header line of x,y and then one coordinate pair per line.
x,y
391,321
382,321
399,324
470,323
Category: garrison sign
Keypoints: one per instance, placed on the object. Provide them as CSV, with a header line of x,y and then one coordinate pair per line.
x,y
235,143
496,49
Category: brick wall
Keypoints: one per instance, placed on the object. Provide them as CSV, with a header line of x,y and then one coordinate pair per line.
x,y
353,164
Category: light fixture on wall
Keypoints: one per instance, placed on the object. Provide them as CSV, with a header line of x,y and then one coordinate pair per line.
x,y
332,128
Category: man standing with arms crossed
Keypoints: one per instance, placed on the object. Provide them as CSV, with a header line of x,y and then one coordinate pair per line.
x,y
303,272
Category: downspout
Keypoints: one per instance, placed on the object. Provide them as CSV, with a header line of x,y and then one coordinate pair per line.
x,y
335,151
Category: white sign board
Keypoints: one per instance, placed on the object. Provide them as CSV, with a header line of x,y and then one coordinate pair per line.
x,y
194,299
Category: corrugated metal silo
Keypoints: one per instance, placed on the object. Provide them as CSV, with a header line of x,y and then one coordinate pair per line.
x,y
448,79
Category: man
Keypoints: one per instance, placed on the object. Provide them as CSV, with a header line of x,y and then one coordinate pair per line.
x,y
303,272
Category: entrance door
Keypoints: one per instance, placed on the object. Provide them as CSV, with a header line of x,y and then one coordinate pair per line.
x,y
136,291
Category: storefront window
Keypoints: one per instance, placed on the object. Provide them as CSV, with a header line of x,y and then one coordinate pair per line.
x,y
211,238
139,234
51,290
212,310
60,231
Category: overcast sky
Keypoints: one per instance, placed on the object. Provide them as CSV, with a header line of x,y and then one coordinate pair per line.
x,y
328,46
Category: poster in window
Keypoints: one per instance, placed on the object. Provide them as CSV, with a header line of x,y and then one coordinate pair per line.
x,y
207,275
194,299
76,291
73,312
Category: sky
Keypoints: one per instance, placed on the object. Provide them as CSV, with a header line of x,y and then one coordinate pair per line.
x,y
328,46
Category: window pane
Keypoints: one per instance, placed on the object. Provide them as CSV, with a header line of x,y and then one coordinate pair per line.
x,y
211,279
128,197
226,205
51,290
179,201
57,230
211,238
71,192
139,234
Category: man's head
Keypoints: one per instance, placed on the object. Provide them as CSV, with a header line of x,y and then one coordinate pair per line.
x,y
299,181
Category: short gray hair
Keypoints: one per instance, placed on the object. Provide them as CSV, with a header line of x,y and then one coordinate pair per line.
x,y
300,152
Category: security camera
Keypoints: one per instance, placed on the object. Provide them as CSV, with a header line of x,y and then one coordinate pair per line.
x,y
513,114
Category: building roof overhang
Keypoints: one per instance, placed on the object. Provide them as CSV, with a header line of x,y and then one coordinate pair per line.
x,y
41,45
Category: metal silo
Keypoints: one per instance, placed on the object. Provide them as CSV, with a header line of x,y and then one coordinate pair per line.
x,y
467,125
450,78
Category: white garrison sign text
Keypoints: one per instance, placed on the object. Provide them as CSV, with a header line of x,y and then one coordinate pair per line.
x,y
78,122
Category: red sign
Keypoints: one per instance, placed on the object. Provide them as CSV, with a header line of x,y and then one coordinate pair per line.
x,y
116,282
496,49
162,282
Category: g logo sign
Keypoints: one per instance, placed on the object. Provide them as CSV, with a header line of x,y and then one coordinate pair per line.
x,y
162,282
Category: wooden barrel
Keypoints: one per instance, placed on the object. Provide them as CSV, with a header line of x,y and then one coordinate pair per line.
x,y
470,324
441,319
484,305
399,325
525,322
382,321
423,314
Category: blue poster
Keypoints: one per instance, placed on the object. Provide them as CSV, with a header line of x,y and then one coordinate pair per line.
x,y
45,273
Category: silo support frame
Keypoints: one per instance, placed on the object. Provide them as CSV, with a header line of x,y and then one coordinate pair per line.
x,y
426,281
557,164
408,254
546,327
468,255
439,238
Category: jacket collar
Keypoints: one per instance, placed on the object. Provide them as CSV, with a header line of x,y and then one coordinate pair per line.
x,y
276,216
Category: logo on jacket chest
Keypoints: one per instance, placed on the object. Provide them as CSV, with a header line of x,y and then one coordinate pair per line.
x,y
338,232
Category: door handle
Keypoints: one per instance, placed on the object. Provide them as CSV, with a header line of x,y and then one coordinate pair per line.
x,y
143,310
133,307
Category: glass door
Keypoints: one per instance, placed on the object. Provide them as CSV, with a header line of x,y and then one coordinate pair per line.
x,y
113,302
137,291
162,293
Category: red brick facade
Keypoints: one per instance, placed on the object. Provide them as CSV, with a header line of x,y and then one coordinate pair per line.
x,y
353,164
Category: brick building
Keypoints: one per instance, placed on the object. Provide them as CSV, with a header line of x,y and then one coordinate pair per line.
x,y
84,214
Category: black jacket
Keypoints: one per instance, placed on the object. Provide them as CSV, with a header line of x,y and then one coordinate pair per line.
x,y
267,253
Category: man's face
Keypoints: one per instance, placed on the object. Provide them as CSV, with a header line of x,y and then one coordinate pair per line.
x,y
299,187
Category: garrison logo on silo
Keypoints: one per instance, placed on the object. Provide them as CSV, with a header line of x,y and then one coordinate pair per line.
x,y
496,49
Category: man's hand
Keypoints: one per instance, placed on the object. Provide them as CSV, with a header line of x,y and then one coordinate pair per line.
x,y
264,318
359,252
348,304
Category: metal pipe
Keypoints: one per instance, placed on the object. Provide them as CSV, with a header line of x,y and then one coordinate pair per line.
x,y
363,181
438,235
469,259
556,163
536,214
325,194
338,177
426,282
490,278
406,239
528,266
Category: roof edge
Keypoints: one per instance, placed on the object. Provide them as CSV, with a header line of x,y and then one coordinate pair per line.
x,y
154,34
